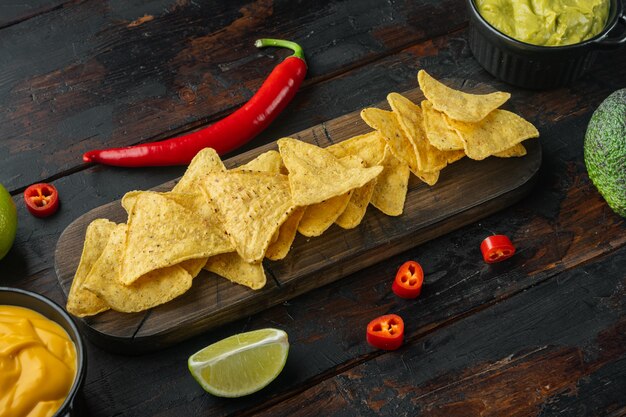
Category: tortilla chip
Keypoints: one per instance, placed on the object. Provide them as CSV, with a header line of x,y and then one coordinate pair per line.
x,y
457,105
438,131
205,162
316,175
499,131
429,158
81,302
391,185
155,288
197,202
232,267
269,161
129,199
161,233
286,234
193,266
370,147
515,151
429,178
386,123
319,217
252,206
357,206
280,245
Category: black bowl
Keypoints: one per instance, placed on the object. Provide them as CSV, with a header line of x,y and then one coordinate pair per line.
x,y
538,67
49,309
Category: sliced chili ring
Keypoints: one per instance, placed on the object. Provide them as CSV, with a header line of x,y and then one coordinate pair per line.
x,y
386,332
496,248
409,280
42,200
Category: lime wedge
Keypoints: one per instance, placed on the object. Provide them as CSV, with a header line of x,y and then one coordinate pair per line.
x,y
240,364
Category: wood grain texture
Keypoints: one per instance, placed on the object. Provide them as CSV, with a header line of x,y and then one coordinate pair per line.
x,y
466,191
127,72
12,13
521,358
369,49
563,225
560,115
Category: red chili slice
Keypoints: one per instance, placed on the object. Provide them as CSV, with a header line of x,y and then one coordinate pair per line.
x,y
386,332
42,200
409,279
497,248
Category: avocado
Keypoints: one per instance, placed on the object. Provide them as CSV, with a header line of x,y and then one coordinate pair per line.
x,y
605,150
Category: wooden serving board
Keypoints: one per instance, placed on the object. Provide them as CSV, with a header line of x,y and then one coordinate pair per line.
x,y
467,191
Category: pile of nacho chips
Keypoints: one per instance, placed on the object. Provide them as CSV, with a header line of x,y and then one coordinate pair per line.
x,y
228,221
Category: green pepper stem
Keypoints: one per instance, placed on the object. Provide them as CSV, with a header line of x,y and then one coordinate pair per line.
x,y
281,43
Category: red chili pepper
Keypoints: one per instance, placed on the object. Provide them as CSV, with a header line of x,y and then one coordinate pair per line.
x,y
386,332
496,248
227,134
42,200
409,279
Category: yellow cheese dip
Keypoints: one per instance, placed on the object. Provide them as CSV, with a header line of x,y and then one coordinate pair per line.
x,y
546,22
37,363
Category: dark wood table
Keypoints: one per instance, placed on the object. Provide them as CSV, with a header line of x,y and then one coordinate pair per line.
x,y
541,334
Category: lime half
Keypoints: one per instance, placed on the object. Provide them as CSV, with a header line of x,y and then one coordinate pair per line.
x,y
240,364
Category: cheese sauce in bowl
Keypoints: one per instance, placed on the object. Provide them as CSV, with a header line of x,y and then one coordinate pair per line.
x,y
42,361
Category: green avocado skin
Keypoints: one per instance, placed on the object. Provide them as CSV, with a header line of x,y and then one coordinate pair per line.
x,y
605,150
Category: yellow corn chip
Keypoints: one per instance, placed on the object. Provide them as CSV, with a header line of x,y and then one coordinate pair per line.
x,y
517,150
269,161
193,266
81,302
391,185
205,162
320,216
457,105
438,131
429,158
252,206
370,147
386,123
161,233
315,175
360,198
197,202
357,206
429,178
156,287
286,234
232,267
497,132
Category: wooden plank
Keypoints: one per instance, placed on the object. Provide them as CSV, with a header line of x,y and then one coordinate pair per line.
x,y
558,346
127,72
562,225
17,12
466,191
559,115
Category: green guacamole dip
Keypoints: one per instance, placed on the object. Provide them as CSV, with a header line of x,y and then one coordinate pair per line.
x,y
546,22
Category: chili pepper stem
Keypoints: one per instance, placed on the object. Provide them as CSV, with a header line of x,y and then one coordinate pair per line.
x,y
281,43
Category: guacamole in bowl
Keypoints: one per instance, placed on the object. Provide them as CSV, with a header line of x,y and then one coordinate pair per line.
x,y
546,22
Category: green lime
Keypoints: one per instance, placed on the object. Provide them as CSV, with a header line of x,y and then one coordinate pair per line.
x,y
8,221
240,364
